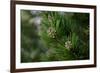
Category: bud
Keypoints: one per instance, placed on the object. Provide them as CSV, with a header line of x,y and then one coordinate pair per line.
x,y
51,32
68,44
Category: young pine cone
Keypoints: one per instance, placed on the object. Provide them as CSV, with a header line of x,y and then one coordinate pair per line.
x,y
68,44
51,32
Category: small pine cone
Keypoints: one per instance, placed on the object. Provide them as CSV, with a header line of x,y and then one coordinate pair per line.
x,y
51,32
68,44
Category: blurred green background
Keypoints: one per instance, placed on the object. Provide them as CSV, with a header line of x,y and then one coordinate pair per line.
x,y
54,36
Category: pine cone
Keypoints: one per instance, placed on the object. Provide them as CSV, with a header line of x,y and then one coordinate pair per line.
x,y
51,32
68,44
